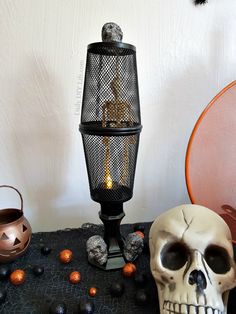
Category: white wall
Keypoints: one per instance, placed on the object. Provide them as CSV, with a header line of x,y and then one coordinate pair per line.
x,y
185,55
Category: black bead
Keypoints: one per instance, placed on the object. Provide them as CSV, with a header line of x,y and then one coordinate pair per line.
x,y
117,289
146,248
45,250
4,272
38,270
58,308
3,295
140,279
85,307
141,297
138,227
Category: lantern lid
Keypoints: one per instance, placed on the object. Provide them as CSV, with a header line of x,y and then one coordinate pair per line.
x,y
107,48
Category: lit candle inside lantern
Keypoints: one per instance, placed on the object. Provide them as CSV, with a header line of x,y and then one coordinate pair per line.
x,y
107,176
108,181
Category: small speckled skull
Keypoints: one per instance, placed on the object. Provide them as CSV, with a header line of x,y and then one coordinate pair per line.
x,y
133,246
97,250
111,32
191,259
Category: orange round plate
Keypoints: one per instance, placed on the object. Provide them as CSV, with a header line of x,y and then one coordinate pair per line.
x,y
210,166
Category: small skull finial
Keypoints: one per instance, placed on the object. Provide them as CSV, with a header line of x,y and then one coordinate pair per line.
x,y
111,32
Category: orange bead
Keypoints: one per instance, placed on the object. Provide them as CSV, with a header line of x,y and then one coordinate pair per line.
x,y
129,270
17,277
65,256
75,277
92,291
140,233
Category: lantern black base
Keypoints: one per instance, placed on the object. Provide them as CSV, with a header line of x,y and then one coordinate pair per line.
x,y
113,262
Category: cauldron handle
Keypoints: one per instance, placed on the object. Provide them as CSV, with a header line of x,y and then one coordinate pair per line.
x,y
11,187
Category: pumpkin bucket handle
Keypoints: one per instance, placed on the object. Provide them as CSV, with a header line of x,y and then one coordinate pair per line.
x,y
11,187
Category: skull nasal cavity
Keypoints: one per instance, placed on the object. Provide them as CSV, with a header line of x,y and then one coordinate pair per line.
x,y
197,277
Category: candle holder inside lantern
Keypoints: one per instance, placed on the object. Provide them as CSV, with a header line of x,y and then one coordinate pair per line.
x,y
110,127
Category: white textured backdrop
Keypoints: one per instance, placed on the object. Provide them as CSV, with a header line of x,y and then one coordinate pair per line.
x,y
185,55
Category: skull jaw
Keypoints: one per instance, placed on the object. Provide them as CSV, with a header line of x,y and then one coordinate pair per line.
x,y
182,301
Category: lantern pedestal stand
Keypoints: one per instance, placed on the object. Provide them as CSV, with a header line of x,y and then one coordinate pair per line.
x,y
112,235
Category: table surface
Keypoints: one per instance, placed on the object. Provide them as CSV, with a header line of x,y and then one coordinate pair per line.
x,y
36,294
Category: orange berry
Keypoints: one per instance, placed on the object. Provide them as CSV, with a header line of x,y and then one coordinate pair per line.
x,y
17,277
129,270
140,233
65,256
75,277
92,291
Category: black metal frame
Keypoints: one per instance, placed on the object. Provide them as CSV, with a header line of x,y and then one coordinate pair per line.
x,y
101,69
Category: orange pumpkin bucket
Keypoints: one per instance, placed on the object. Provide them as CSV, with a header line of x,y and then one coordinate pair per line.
x,y
15,231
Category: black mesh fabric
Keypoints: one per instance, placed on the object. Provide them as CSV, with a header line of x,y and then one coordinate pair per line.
x,y
37,293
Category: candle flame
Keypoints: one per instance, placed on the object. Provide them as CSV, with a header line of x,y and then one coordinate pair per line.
x,y
108,181
107,176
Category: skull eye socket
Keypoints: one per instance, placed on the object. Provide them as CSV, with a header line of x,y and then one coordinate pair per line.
x,y
217,259
174,255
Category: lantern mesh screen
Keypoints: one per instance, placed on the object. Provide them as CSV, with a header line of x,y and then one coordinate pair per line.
x,y
111,162
111,75
110,120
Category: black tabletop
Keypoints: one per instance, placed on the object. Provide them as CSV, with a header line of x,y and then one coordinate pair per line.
x,y
38,293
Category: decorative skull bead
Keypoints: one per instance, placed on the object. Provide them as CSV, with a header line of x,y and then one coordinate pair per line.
x,y
191,260
97,250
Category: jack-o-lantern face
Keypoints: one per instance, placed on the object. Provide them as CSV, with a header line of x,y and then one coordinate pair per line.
x,y
14,239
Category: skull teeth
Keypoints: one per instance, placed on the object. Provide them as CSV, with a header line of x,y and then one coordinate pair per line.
x,y
183,308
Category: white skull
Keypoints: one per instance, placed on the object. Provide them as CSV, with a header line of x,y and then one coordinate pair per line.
x,y
191,259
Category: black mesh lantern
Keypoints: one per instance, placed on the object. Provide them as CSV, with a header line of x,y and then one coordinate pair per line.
x,y
110,127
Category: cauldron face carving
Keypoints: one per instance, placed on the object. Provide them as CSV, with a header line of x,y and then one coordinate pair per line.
x,y
15,234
